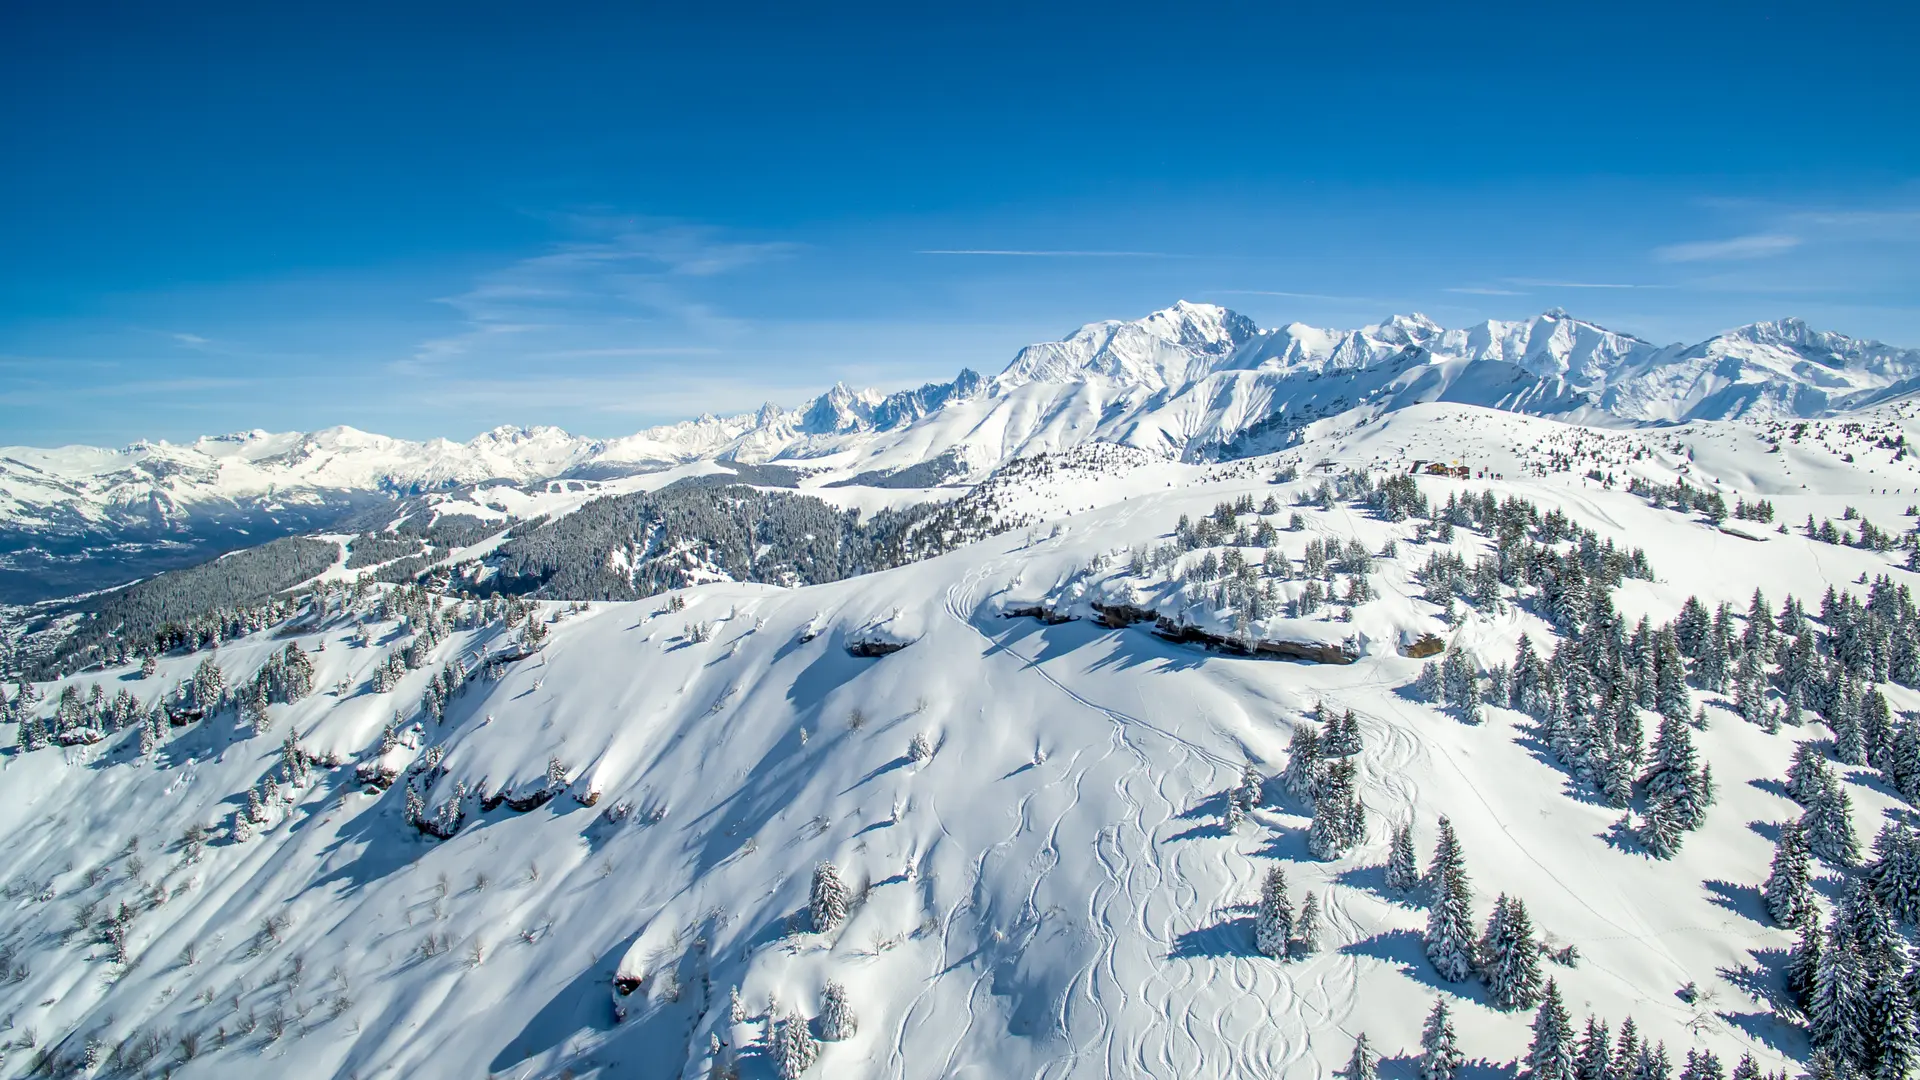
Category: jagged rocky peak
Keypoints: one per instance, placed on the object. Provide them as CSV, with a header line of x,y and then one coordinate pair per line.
x,y
840,409
1170,347
1409,329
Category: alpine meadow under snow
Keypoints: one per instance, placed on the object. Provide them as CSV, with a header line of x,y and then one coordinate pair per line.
x,y
1188,700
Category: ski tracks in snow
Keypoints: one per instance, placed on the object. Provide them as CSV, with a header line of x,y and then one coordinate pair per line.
x,y
1148,1012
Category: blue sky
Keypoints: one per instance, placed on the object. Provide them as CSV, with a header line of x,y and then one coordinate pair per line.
x,y
433,221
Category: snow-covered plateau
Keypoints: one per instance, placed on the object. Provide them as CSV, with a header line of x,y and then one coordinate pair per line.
x,y
1189,700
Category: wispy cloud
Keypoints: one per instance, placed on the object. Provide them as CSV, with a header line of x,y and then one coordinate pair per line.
x,y
1299,295
653,398
190,340
595,354
1755,246
1541,283
1858,218
622,288
1058,254
1482,290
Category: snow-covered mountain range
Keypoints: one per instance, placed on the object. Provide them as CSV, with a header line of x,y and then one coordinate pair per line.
x,y
1192,382
445,836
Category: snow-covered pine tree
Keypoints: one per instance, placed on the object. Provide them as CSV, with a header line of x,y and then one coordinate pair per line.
x,y
1510,957
1788,890
1837,1007
1809,774
1849,741
827,901
1821,1065
1440,1056
1449,935
1746,1069
1803,960
723,1066
1671,699
32,735
1702,1065
1828,825
1429,685
1470,708
1876,728
1342,738
1652,1063
1403,865
1456,677
1338,818
1363,1064
1750,689
794,1050
1273,925
1661,829
1895,870
1528,685
1252,787
1595,1060
1306,929
209,686
837,1021
1691,798
1902,768
1550,1056
1675,762
1615,779
1302,775
1895,1048
1626,1051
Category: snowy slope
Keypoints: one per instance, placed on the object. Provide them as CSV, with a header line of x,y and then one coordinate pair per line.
x,y
1050,894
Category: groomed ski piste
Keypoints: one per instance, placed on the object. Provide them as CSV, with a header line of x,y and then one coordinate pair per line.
x,y
1030,813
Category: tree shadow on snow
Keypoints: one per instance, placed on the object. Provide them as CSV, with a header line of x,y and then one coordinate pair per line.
x,y
1872,780
1139,648
1053,641
1206,830
1771,1032
1741,899
1768,829
385,842
584,1004
1212,807
1770,785
1229,937
1406,950
878,771
831,669
1373,879
1765,981
1831,885
1406,1066
876,826
1289,845
1575,788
